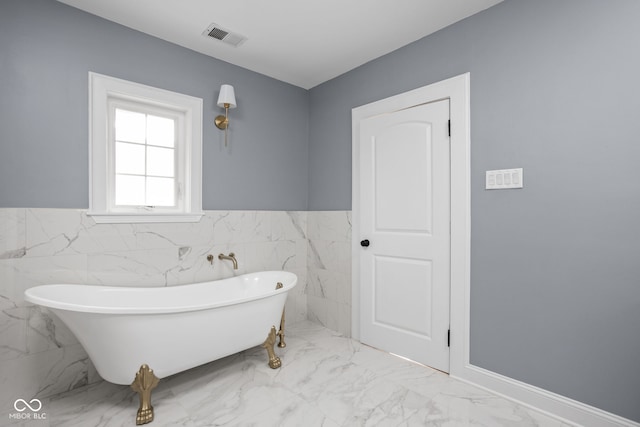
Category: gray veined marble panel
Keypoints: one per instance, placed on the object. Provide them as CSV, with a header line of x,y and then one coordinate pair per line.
x,y
240,226
46,331
329,225
289,225
175,235
29,330
314,260
132,268
280,255
43,374
329,269
51,232
12,233
13,329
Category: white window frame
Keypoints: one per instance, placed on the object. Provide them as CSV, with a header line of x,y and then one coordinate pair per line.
x,y
180,149
104,93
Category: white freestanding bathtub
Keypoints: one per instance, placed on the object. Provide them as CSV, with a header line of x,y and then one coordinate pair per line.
x,y
169,329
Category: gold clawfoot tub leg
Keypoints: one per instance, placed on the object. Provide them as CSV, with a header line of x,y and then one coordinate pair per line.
x,y
282,344
143,384
274,361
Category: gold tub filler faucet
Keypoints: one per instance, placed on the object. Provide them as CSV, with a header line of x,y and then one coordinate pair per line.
x,y
232,257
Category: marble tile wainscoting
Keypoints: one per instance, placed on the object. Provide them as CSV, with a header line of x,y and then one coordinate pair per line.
x,y
39,356
329,269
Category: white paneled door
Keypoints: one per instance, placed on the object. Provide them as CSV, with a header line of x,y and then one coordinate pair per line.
x,y
405,233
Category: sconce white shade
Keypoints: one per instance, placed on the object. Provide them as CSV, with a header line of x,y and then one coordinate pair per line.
x,y
227,96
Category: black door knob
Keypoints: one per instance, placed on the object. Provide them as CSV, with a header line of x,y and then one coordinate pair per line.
x,y
364,243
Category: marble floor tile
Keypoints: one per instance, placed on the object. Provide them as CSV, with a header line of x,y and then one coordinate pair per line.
x,y
326,380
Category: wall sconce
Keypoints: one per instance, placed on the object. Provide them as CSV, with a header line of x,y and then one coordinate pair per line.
x,y
227,99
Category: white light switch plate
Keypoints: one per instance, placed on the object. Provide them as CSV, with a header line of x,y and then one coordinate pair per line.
x,y
503,179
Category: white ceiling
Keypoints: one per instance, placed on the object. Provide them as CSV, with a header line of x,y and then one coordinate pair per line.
x,y
302,42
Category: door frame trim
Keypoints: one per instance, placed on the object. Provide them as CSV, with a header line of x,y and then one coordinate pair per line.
x,y
457,90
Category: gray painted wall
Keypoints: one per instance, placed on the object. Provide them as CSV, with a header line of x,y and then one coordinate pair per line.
x,y
46,51
555,267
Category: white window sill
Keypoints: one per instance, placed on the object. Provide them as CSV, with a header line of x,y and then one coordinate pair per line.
x,y
129,218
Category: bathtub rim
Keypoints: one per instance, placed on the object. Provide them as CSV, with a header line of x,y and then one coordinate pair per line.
x,y
289,281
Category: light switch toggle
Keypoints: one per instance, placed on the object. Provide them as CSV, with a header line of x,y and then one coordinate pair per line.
x,y
503,179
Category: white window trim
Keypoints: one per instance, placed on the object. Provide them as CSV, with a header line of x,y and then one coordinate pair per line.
x,y
102,90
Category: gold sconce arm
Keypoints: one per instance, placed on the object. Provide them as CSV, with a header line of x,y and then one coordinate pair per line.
x,y
222,122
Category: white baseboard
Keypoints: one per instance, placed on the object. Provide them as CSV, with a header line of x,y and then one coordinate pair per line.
x,y
562,408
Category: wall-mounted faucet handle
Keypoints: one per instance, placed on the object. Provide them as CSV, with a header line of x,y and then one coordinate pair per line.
x,y
210,259
232,257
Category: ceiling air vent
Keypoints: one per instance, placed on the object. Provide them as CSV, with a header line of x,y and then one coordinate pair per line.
x,y
217,32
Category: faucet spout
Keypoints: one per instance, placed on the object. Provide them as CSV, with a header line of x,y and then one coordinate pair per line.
x,y
232,257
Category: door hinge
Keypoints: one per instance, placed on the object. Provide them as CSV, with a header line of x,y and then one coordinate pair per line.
x,y
449,127
449,338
